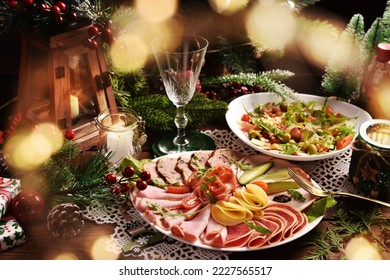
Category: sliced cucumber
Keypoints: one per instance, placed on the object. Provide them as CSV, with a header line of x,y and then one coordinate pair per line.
x,y
281,186
274,176
257,171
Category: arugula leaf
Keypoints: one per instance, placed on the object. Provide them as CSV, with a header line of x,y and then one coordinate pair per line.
x,y
258,228
296,195
318,208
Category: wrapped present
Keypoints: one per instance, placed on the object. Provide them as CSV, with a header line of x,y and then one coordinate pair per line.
x,y
11,233
9,188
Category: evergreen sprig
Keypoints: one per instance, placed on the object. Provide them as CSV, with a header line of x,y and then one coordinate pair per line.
x,y
346,225
71,175
344,72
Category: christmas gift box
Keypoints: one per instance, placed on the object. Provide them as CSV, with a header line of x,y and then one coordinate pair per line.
x,y
11,233
9,188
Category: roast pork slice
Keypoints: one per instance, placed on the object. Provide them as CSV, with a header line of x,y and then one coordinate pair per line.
x,y
222,156
182,166
166,168
199,159
151,166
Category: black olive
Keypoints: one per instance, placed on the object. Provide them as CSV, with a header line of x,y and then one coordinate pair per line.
x,y
282,198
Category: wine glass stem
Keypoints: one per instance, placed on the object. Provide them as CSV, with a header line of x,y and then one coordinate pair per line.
x,y
180,122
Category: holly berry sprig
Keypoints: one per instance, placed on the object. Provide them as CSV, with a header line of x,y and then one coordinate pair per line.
x,y
128,180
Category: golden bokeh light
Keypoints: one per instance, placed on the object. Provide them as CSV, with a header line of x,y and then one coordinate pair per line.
x,y
99,251
156,11
271,26
359,248
227,7
317,41
128,53
66,256
28,149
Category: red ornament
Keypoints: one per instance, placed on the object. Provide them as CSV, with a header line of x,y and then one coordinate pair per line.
x,y
13,4
70,134
107,35
92,44
28,3
72,16
27,206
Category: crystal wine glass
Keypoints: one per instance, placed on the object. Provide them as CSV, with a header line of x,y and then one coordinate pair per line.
x,y
180,60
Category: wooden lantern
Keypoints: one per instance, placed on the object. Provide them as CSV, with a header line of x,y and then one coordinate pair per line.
x,y
65,82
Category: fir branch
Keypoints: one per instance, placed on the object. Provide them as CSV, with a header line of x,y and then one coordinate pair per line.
x,y
346,226
320,248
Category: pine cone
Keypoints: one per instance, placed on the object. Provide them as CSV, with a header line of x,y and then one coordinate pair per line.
x,y
65,220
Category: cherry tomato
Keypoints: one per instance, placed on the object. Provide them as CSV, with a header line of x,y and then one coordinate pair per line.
x,y
245,118
329,111
344,142
178,189
261,184
190,201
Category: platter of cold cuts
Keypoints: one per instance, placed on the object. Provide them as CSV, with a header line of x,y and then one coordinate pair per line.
x,y
224,200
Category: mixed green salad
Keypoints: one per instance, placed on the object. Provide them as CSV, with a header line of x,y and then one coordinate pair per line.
x,y
298,128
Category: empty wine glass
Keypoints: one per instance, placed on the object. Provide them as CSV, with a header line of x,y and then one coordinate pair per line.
x,y
180,60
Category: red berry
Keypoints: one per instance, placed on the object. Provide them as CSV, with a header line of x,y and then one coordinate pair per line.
x,y
92,44
128,171
72,16
55,10
13,4
141,185
110,178
61,5
70,135
145,175
27,206
107,35
116,189
125,187
28,3
59,20
93,30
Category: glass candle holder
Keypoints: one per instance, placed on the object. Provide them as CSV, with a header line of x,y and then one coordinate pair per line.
x,y
122,132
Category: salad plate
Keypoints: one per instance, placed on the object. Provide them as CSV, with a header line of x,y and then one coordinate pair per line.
x,y
247,103
198,243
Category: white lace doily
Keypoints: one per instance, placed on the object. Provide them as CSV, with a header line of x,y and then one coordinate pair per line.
x,y
330,174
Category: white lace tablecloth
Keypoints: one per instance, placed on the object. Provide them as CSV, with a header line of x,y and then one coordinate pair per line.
x,y
330,174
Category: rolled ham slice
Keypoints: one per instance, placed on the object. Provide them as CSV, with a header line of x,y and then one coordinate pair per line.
x,y
191,230
214,234
141,203
238,235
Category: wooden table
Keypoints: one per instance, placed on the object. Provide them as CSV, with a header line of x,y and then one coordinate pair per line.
x,y
42,245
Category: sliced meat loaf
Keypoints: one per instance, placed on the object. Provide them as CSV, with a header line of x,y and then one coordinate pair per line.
x,y
152,168
166,168
199,159
182,166
222,156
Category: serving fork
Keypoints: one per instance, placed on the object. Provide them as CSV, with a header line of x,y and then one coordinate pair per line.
x,y
303,179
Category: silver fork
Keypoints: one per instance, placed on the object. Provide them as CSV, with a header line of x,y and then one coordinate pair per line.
x,y
303,179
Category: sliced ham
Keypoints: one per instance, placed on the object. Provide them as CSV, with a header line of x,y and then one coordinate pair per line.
x,y
158,193
301,218
191,230
277,235
168,222
287,216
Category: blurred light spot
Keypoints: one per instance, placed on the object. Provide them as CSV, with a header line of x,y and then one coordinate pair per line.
x,y
66,256
383,99
359,248
99,251
317,41
156,11
227,7
28,149
128,53
271,27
